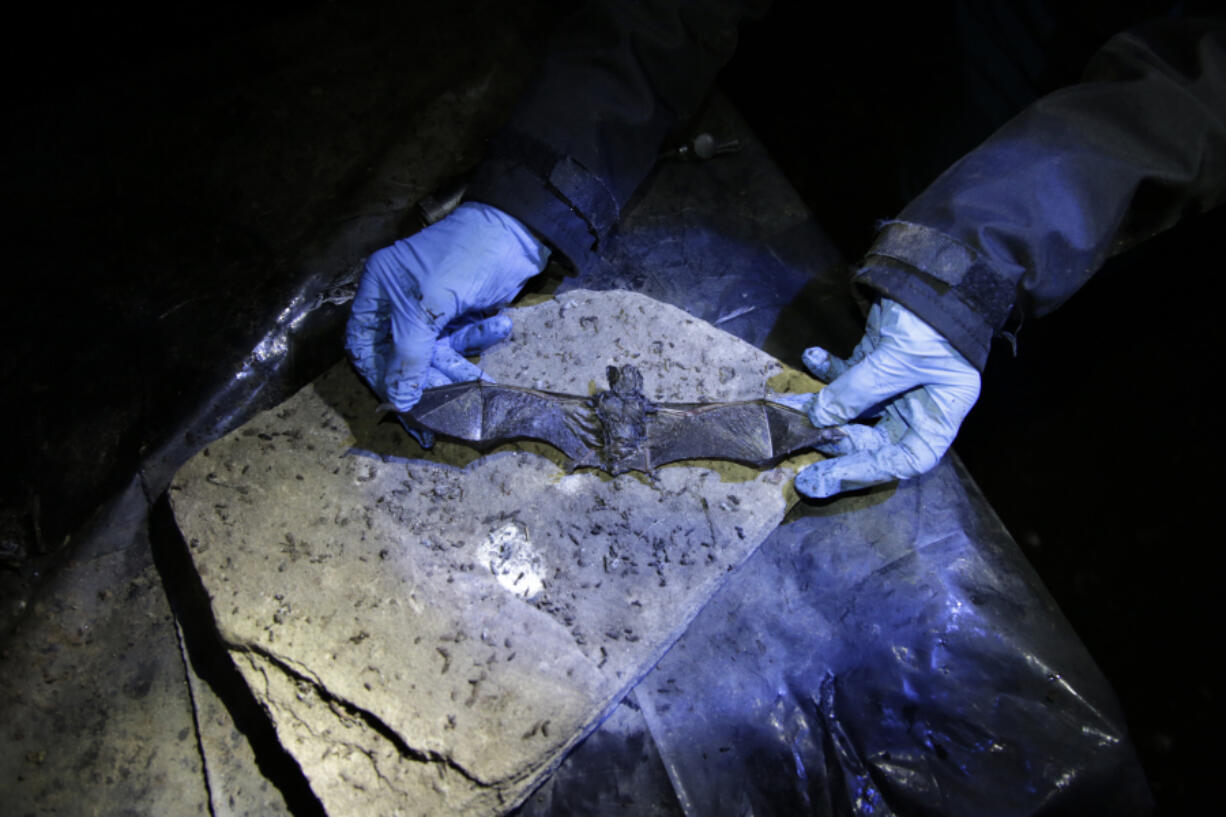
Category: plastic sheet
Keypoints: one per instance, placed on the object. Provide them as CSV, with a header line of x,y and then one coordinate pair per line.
x,y
890,654
886,653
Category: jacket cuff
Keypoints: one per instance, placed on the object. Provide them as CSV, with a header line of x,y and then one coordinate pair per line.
x,y
949,285
552,194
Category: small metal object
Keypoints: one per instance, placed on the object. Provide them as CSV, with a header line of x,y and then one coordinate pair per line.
x,y
707,147
442,202
703,146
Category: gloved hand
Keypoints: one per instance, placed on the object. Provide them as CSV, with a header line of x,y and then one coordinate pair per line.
x,y
907,374
421,303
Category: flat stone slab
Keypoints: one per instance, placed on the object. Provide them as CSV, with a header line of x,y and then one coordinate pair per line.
x,y
432,631
236,787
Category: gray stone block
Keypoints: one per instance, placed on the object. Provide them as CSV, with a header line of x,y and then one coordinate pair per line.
x,y
236,788
430,632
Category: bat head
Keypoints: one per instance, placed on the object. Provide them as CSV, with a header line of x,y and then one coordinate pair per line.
x,y
624,381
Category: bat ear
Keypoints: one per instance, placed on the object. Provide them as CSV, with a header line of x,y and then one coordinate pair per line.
x,y
633,377
612,374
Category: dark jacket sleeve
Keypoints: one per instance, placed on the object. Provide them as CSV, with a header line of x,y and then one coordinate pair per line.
x,y
1027,217
619,76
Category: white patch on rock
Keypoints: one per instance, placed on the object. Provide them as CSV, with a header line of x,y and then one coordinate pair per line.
x,y
510,556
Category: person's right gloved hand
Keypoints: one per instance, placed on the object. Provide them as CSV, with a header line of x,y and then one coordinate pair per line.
x,y
423,303
905,376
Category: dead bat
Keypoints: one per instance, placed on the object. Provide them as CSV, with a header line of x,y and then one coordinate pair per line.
x,y
618,429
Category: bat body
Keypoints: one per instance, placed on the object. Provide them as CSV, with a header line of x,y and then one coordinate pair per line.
x,y
616,430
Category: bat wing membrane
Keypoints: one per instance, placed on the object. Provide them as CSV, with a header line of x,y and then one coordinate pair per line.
x,y
481,412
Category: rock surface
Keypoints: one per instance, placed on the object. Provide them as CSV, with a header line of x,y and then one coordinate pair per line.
x,y
235,786
432,631
96,717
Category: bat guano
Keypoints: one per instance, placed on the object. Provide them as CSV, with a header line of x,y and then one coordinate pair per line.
x,y
618,429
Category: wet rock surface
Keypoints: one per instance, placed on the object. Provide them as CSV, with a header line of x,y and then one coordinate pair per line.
x,y
430,632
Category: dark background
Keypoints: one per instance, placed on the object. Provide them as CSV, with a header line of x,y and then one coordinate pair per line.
x,y
141,262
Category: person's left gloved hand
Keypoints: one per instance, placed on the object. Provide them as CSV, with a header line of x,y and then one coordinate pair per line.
x,y
904,372
421,303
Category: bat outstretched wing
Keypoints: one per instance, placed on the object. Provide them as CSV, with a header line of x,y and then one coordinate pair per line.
x,y
754,432
487,414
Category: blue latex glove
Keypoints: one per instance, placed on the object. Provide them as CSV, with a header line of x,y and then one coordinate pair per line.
x,y
421,303
907,374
